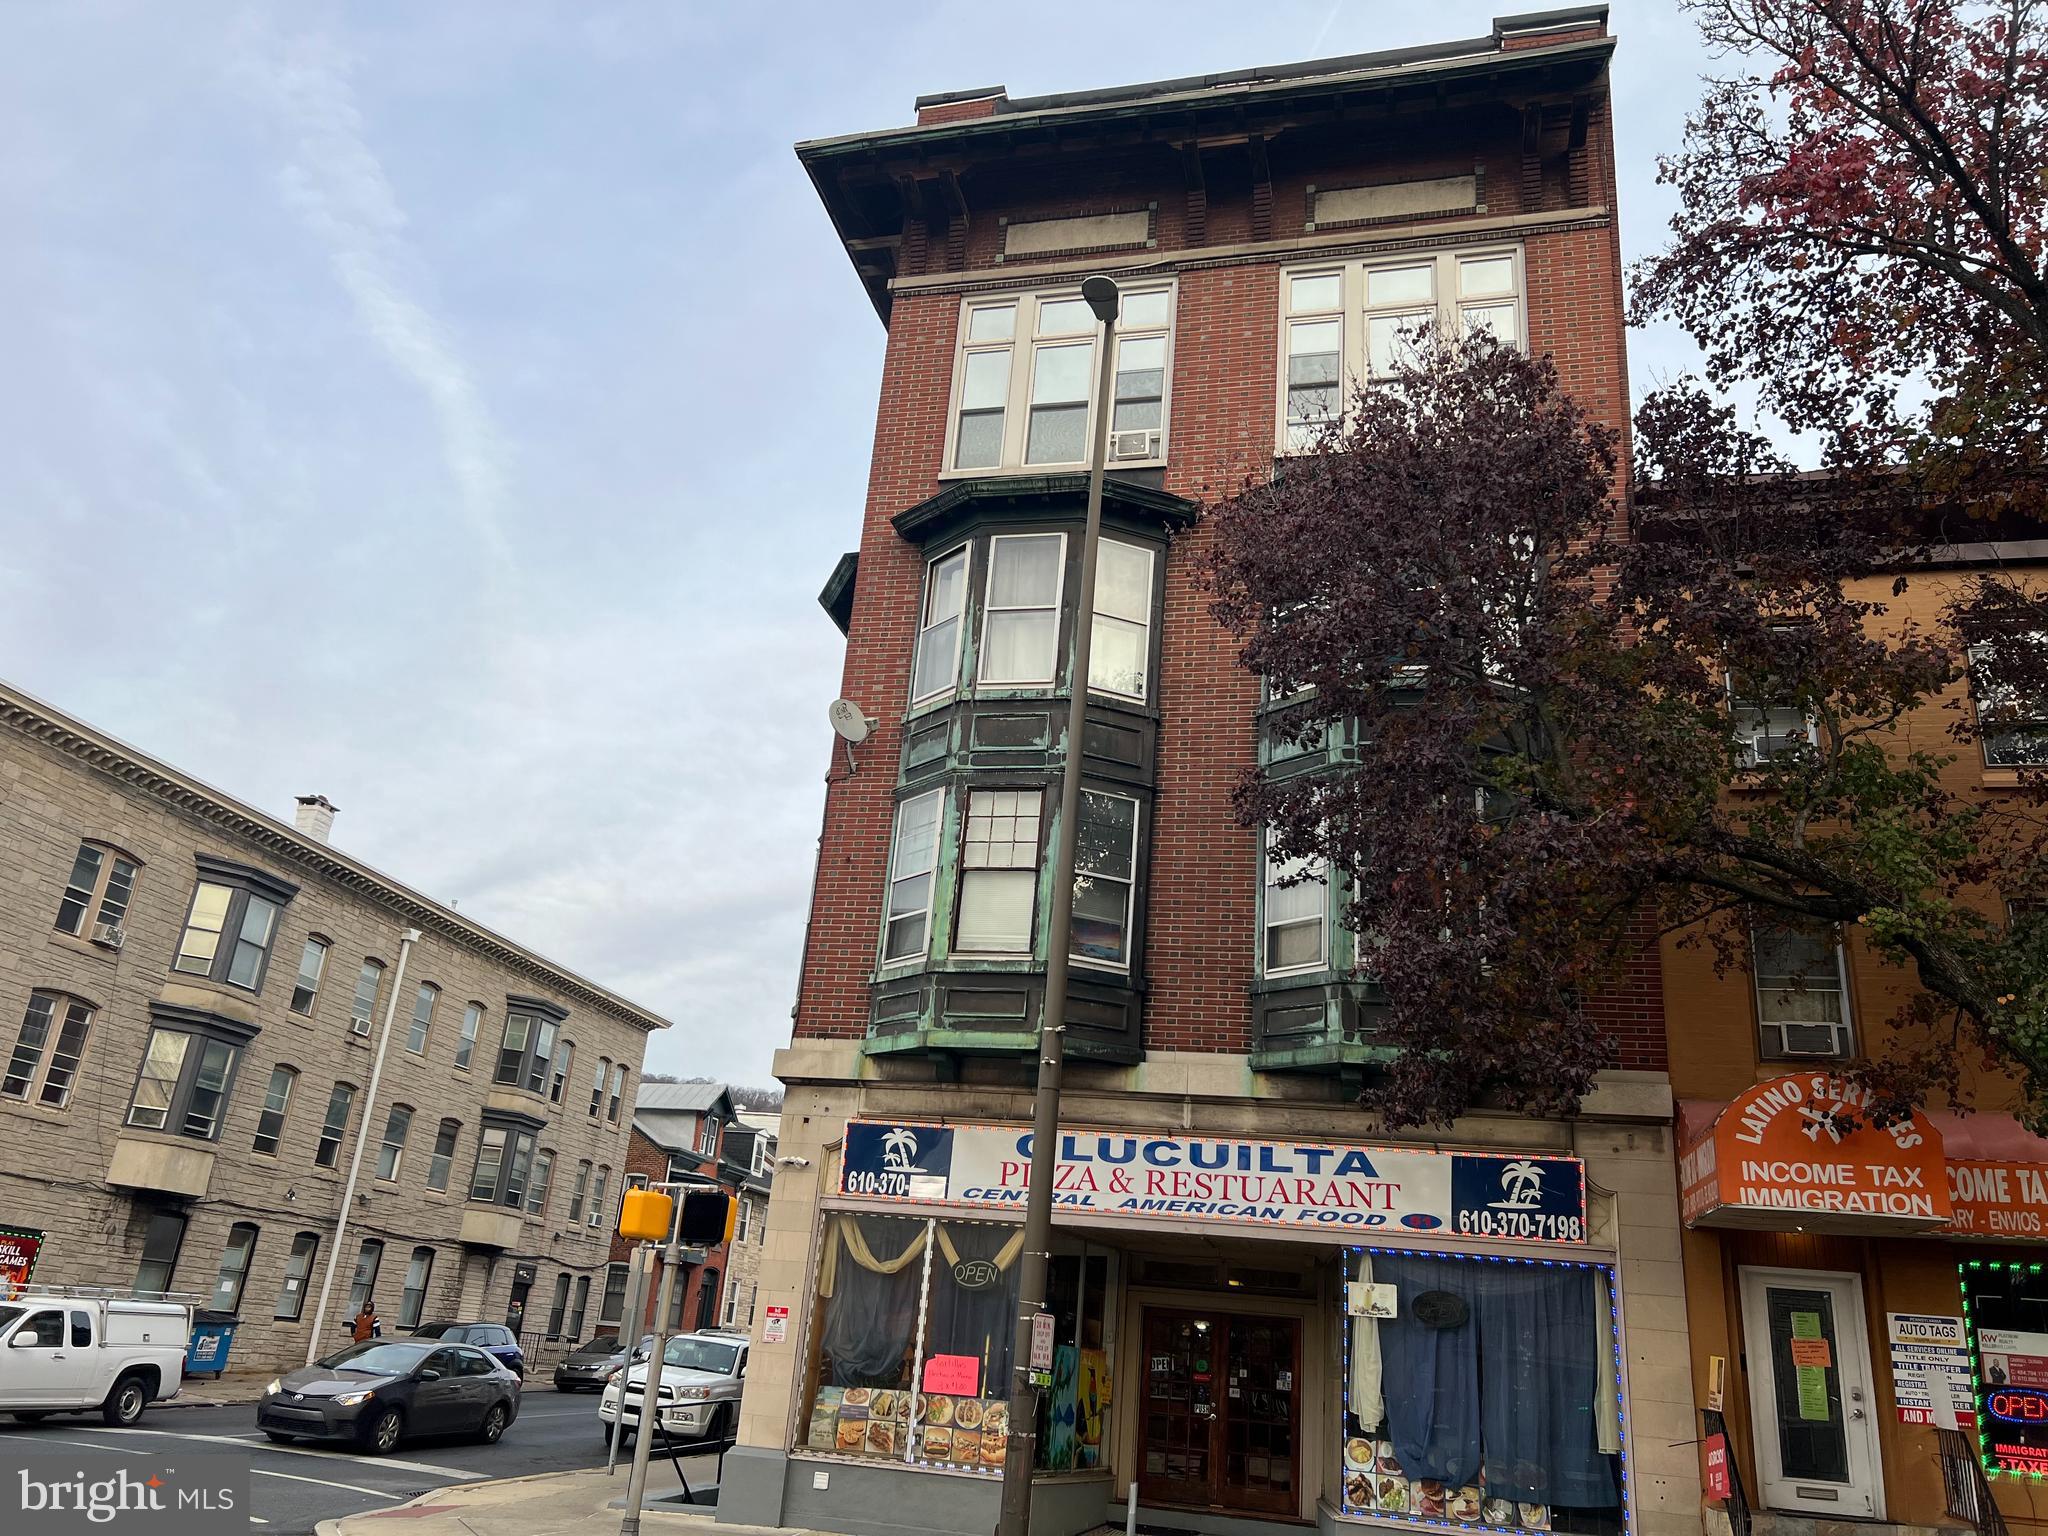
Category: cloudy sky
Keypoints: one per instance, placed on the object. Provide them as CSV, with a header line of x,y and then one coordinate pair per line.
x,y
454,409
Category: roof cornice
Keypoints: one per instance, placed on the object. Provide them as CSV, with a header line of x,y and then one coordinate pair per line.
x,y
95,749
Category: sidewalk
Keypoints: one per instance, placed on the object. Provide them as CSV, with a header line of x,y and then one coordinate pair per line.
x,y
205,1392
551,1504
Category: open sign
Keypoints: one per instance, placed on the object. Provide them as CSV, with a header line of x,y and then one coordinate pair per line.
x,y
2018,1407
977,1275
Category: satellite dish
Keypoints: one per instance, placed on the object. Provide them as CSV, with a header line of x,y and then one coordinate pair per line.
x,y
849,720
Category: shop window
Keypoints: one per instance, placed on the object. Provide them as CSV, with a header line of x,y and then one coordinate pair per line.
x,y
1481,1392
2005,1308
1074,1413
879,1278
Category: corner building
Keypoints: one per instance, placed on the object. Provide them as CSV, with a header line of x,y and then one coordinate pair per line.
x,y
191,998
1268,1314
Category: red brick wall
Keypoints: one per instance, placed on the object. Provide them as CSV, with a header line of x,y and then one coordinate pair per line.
x,y
1203,874
957,111
1551,39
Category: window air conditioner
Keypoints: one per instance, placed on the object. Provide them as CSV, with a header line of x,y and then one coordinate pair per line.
x,y
1142,444
1806,1040
108,935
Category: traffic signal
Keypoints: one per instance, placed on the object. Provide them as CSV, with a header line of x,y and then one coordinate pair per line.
x,y
708,1217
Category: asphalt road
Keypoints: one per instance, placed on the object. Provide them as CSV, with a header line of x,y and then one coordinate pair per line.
x,y
292,1487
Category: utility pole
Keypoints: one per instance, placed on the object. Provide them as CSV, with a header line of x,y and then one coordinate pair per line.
x,y
1020,1453
406,940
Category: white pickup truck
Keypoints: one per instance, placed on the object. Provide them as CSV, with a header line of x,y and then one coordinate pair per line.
x,y
70,1354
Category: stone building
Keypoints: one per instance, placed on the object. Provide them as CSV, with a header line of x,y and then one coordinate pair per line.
x,y
193,994
746,1163
679,1131
1265,1308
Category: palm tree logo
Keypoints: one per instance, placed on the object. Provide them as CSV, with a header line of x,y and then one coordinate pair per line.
x,y
1521,1186
899,1151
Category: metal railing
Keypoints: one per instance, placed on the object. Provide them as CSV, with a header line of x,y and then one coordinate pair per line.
x,y
1968,1490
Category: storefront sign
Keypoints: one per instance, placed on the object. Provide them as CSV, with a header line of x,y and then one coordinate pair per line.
x,y
1998,1199
2011,1358
1800,1147
775,1327
1341,1191
1718,1484
1930,1366
19,1248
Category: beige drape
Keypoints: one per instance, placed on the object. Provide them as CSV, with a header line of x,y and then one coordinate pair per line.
x,y
1368,1400
845,1233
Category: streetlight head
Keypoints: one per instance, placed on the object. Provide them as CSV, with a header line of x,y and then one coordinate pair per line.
x,y
1101,295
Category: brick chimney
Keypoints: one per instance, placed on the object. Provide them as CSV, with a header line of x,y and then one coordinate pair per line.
x,y
314,817
957,106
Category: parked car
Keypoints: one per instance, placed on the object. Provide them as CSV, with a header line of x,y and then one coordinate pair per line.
x,y
589,1366
374,1394
492,1338
73,1354
699,1392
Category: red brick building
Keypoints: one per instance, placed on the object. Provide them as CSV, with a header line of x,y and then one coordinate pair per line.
x,y
1238,1251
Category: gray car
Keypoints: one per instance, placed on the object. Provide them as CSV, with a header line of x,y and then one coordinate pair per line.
x,y
374,1394
589,1366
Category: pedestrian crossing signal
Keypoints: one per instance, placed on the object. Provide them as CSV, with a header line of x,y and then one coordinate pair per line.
x,y
708,1217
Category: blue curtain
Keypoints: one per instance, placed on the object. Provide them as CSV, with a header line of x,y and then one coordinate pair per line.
x,y
1539,1370
1511,1388
1431,1375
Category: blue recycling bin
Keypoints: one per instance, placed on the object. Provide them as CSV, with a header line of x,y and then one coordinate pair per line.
x,y
212,1336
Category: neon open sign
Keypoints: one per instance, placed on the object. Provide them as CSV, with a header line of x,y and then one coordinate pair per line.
x,y
2018,1407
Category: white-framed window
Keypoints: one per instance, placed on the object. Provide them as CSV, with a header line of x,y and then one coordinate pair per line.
x,y
1802,989
1344,324
1120,648
2012,728
44,1065
1025,370
913,858
99,876
1105,879
422,1017
364,1005
937,669
1020,620
1765,725
999,855
1296,921
391,1152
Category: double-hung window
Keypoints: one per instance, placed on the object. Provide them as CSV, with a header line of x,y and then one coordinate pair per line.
x,y
526,1052
312,966
578,1192
1025,378
364,1005
913,859
465,1043
937,670
234,1267
1020,622
1105,879
334,1125
1802,989
102,884
604,1175
44,1065
558,1078
442,1160
1356,323
1120,646
391,1152
999,856
184,1083
1768,720
298,1269
597,1082
2012,727
1297,914
277,1099
543,1178
504,1158
618,1093
231,923
422,1017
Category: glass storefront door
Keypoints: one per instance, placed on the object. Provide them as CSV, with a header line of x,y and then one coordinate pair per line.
x,y
1222,1421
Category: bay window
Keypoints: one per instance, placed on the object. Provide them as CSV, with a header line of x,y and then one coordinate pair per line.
x,y
1295,922
913,858
526,1052
504,1158
183,1086
1355,323
937,669
999,858
1021,609
1024,378
231,923
1105,876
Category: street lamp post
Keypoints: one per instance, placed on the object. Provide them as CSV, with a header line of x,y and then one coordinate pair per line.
x,y
1020,1453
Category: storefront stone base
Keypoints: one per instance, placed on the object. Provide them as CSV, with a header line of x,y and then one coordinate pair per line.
x,y
1765,1522
765,1487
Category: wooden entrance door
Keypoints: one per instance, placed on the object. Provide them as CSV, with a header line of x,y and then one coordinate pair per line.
x,y
1222,1425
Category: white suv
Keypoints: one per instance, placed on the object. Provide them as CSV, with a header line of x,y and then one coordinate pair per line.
x,y
700,1388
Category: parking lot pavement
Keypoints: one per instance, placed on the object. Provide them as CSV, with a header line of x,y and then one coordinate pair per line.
x,y
293,1487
